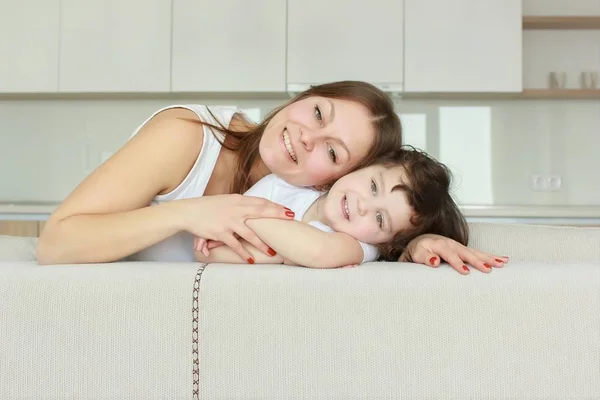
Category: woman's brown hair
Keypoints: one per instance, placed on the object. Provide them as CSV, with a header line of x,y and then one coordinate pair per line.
x,y
388,130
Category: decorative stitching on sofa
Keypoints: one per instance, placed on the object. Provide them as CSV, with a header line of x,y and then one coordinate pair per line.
x,y
195,333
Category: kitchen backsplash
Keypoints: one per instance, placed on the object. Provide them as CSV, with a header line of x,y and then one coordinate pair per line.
x,y
503,152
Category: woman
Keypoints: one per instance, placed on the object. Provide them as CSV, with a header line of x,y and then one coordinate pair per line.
x,y
175,177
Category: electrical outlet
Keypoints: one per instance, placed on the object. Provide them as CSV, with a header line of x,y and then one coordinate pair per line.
x,y
554,182
536,182
546,182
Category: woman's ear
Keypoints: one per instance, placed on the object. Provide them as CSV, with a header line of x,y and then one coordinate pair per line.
x,y
322,188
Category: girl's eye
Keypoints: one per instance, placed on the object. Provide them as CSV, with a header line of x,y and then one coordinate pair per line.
x,y
373,187
318,114
331,153
379,218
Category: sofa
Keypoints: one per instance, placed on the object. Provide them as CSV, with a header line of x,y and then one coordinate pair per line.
x,y
136,330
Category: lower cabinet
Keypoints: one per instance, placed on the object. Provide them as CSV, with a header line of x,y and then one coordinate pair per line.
x,y
21,228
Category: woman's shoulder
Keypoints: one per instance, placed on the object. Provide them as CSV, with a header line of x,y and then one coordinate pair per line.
x,y
216,115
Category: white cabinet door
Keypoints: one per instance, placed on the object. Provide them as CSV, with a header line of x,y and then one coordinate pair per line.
x,y
463,46
29,45
229,45
332,40
115,46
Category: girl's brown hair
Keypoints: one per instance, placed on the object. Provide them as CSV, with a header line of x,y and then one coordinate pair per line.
x,y
428,193
388,130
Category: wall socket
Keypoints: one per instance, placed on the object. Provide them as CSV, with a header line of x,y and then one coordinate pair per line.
x,y
546,182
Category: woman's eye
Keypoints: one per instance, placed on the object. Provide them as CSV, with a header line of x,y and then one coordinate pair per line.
x,y
318,114
379,218
331,153
373,187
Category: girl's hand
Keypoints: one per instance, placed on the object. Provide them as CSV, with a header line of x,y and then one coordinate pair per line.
x,y
222,218
201,245
430,249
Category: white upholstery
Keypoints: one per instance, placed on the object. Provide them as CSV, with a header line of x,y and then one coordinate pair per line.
x,y
380,331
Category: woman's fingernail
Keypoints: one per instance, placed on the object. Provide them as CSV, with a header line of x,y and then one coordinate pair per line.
x,y
466,268
487,265
499,260
290,214
251,260
432,260
271,252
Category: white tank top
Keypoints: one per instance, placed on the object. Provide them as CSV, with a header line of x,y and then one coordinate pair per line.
x,y
180,246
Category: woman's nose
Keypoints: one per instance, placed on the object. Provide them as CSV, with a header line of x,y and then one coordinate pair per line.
x,y
309,138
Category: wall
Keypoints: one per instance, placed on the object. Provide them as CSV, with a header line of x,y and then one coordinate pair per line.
x,y
48,146
496,147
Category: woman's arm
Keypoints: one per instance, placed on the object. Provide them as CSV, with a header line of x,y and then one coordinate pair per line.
x,y
295,243
431,249
108,217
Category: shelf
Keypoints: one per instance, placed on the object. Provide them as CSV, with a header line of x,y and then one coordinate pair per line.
x,y
558,22
560,94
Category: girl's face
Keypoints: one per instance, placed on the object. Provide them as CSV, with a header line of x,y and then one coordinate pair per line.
x,y
367,205
316,140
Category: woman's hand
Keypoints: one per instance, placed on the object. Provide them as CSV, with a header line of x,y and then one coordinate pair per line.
x,y
430,249
222,218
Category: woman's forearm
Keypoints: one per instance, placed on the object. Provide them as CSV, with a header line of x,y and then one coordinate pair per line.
x,y
96,238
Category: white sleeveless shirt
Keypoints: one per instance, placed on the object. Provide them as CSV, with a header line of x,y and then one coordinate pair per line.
x,y
179,247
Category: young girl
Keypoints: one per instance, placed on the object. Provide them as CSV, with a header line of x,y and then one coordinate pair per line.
x,y
367,215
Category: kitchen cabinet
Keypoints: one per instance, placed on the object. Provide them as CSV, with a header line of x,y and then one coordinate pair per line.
x,y
331,40
229,45
463,46
20,228
115,46
29,46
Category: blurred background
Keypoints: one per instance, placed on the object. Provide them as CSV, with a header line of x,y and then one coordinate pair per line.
x,y
505,92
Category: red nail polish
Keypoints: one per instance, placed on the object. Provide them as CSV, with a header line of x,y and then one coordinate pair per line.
x,y
287,209
498,260
251,260
432,260
290,214
487,265
271,252
466,268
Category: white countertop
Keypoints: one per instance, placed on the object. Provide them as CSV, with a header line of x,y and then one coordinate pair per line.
x,y
532,211
480,211
27,208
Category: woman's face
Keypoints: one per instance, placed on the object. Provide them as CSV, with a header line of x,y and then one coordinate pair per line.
x,y
317,140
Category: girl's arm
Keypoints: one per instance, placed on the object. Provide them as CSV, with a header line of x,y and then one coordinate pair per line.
x,y
295,243
224,254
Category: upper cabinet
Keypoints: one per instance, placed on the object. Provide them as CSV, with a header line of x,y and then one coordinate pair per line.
x,y
331,40
29,46
463,46
229,45
115,46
